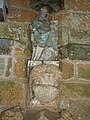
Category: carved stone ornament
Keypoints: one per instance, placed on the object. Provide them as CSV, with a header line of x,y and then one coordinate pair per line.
x,y
44,80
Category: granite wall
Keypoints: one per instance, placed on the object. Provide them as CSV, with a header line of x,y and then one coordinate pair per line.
x,y
74,52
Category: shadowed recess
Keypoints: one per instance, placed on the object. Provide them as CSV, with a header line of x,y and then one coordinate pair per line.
x,y
52,5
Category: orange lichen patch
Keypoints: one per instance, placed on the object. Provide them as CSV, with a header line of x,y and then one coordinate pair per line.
x,y
20,68
19,3
27,15
67,70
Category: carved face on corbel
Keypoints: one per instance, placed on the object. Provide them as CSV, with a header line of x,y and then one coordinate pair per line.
x,y
44,82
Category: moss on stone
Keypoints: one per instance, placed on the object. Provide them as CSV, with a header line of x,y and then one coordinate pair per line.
x,y
85,74
75,90
6,85
86,90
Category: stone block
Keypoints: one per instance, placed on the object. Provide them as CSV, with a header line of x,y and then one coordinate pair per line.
x,y
10,93
78,5
19,3
78,108
19,51
64,51
67,69
65,18
65,35
79,37
79,21
79,52
20,68
75,51
6,46
10,31
27,15
21,15
14,14
84,71
24,52
79,28
75,90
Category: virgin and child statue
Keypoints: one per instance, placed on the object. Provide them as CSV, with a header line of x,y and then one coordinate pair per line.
x,y
44,37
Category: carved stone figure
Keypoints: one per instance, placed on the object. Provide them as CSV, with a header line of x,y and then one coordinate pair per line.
x,y
43,89
44,80
44,37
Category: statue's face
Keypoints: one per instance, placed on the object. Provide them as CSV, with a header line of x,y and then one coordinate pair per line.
x,y
43,14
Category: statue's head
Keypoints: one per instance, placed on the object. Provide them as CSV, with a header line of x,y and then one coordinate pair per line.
x,y
43,13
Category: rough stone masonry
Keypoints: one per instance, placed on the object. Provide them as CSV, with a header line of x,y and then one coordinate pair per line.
x,y
74,35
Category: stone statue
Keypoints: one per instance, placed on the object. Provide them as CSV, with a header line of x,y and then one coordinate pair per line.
x,y
44,37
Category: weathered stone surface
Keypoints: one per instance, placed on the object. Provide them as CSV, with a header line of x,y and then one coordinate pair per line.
x,y
46,74
21,15
79,29
9,67
77,5
25,32
79,37
6,46
80,109
10,31
44,84
79,52
45,94
12,114
10,93
27,15
14,14
67,69
79,21
64,51
20,68
65,35
75,90
75,28
65,19
84,71
75,51
2,65
19,51
19,3
66,115
24,52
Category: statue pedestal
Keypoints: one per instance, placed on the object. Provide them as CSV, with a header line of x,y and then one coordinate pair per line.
x,y
44,86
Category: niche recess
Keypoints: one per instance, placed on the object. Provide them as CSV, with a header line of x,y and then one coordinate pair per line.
x,y
53,5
